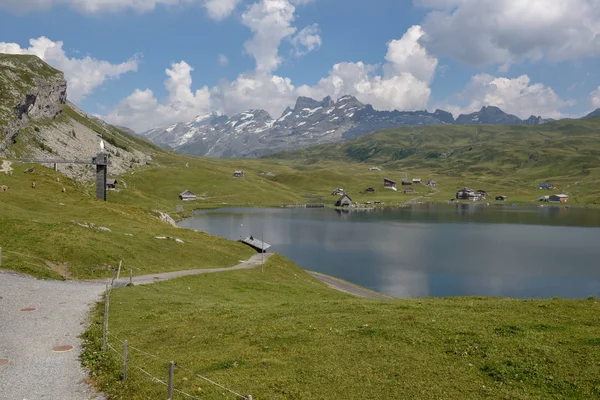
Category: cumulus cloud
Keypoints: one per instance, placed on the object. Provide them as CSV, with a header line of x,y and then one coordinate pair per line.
x,y
83,75
270,22
510,31
142,110
595,98
516,96
220,9
307,40
217,9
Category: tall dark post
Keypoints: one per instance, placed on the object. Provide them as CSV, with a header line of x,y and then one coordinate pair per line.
x,y
101,161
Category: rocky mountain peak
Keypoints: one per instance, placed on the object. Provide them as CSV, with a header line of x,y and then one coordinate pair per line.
x,y
349,100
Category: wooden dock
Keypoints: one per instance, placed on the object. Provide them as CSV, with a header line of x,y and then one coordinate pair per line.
x,y
256,244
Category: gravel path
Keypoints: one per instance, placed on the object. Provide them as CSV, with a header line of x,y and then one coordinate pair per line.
x,y
27,338
348,287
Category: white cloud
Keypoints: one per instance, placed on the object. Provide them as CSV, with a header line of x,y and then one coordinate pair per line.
x,y
223,60
255,90
307,40
83,75
220,9
516,96
595,98
270,22
509,31
217,9
403,85
142,110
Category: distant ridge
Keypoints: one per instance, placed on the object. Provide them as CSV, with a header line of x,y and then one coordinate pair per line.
x,y
254,133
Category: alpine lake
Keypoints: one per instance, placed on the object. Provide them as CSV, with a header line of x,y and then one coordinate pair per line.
x,y
432,250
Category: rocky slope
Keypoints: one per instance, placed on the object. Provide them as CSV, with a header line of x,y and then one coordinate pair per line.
x,y
254,133
37,122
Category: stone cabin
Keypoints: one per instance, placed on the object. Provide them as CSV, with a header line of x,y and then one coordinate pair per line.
x,y
238,174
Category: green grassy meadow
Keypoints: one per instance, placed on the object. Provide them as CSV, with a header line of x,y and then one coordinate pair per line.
x,y
283,335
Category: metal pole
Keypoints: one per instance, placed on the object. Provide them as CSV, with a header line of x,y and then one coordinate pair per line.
x,y
125,344
171,373
263,249
119,272
131,276
0,256
105,327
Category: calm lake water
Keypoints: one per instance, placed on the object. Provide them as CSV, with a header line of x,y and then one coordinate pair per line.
x,y
433,250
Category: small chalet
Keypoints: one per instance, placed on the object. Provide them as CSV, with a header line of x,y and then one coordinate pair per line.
x,y
388,183
467,194
546,186
482,193
369,190
431,183
544,198
502,198
111,184
406,183
409,190
417,181
238,174
338,192
344,201
187,196
559,198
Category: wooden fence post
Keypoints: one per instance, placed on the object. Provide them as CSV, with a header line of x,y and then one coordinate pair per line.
x,y
0,256
105,327
119,271
249,397
171,373
131,276
125,345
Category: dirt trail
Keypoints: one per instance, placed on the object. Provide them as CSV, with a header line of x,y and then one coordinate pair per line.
x,y
253,262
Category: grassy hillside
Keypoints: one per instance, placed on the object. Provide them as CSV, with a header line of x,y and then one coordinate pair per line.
x,y
40,232
282,335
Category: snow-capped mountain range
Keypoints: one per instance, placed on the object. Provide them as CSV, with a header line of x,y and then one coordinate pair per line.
x,y
255,133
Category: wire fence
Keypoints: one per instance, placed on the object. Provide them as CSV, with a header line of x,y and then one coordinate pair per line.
x,y
155,379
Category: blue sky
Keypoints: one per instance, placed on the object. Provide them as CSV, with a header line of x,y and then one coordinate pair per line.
x,y
526,56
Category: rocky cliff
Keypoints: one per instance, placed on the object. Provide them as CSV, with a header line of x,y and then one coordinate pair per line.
x,y
37,122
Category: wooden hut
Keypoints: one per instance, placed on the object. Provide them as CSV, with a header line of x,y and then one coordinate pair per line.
x,y
256,244
111,184
388,183
344,201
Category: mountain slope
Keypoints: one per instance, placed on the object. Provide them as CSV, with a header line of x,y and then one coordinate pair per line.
x,y
254,133
562,148
37,121
593,114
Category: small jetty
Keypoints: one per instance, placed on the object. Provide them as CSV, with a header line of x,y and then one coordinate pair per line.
x,y
256,244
